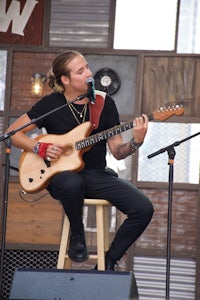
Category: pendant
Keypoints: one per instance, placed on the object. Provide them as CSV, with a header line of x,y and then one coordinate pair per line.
x,y
81,116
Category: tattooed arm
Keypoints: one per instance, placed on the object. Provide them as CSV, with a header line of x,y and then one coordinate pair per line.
x,y
121,150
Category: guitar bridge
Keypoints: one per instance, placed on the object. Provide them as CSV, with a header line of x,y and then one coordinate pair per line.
x,y
47,163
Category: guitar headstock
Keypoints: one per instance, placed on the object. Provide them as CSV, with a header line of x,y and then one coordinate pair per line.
x,y
166,112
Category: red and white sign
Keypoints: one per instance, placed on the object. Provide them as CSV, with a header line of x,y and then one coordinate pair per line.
x,y
21,22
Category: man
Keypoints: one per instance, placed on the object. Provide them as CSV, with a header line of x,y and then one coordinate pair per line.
x,y
69,80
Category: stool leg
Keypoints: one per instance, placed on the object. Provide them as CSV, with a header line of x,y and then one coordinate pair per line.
x,y
106,228
63,244
100,237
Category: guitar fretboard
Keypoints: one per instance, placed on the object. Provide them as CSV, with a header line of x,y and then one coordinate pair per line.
x,y
160,115
103,135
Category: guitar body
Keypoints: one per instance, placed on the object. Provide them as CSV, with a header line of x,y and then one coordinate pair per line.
x,y
35,172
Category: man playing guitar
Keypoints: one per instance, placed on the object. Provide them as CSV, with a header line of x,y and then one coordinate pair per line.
x,y
70,181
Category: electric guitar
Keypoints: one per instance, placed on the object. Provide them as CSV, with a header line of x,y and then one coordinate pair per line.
x,y
35,172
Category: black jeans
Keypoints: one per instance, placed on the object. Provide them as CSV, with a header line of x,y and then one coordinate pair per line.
x,y
71,188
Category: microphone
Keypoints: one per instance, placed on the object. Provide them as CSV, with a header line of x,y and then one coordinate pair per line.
x,y
91,92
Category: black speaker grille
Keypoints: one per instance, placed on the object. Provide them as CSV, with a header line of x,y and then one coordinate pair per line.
x,y
14,259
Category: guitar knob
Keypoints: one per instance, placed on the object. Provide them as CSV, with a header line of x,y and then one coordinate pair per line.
x,y
42,171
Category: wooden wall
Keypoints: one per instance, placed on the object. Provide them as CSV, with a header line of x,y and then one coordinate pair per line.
x,y
172,79
33,223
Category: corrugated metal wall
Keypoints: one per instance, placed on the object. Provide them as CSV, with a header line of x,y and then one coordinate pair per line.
x,y
150,274
76,23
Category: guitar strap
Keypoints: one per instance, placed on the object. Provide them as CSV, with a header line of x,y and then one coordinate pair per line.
x,y
96,108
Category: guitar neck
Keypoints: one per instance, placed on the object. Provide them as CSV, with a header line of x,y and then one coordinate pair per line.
x,y
103,135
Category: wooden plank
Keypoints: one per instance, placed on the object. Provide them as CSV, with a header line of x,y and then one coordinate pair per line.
x,y
33,222
168,80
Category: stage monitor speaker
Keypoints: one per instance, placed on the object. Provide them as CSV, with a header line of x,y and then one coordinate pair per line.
x,y
45,284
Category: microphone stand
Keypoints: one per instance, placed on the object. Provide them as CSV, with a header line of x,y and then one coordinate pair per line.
x,y
171,154
6,138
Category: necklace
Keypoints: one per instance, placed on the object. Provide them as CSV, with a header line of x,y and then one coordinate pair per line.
x,y
78,112
81,114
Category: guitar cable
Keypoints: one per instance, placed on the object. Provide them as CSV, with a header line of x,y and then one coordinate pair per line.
x,y
35,199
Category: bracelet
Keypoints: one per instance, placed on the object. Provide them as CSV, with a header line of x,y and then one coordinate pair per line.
x,y
36,148
43,148
134,145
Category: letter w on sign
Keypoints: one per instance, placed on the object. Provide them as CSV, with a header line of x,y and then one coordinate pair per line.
x,y
19,20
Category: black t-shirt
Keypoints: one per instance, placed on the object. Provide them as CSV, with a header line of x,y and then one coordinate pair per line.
x,y
63,121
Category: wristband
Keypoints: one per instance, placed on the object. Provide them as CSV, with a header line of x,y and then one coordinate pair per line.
x,y
36,148
43,148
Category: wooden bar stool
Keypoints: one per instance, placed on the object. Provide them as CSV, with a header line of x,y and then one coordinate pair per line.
x,y
102,235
